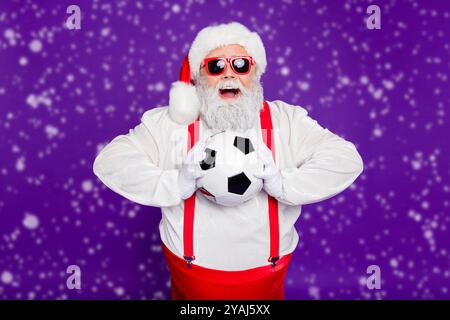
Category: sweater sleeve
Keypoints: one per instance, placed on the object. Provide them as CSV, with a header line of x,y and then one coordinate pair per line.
x,y
326,163
128,165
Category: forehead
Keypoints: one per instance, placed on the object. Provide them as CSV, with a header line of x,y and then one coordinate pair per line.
x,y
230,50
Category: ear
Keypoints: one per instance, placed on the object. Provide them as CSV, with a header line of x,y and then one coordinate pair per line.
x,y
184,105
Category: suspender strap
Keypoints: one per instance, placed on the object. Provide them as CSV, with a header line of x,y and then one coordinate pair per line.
x,y
189,203
266,127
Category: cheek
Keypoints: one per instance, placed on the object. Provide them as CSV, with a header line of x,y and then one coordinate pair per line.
x,y
247,82
247,79
212,81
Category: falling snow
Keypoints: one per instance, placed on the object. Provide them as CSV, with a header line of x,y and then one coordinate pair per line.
x,y
30,221
6,277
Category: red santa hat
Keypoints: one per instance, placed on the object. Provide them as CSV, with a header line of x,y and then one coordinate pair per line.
x,y
184,105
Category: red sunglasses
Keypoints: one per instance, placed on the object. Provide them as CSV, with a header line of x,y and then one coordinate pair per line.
x,y
217,65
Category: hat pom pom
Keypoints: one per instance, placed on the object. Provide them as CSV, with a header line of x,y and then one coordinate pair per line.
x,y
184,105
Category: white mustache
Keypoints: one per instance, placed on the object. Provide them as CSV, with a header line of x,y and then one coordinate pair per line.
x,y
229,84
239,114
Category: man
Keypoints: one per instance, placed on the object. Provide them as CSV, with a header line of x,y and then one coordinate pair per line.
x,y
239,252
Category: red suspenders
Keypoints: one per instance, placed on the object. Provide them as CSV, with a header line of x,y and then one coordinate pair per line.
x,y
189,204
266,127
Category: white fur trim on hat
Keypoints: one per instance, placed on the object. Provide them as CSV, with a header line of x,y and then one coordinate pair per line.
x,y
184,106
213,37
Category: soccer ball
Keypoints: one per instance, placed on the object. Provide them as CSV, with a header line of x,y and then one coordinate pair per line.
x,y
229,163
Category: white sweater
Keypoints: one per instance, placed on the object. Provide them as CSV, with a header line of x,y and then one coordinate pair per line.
x,y
143,167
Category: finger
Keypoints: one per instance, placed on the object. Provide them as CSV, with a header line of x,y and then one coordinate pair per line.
x,y
200,147
190,155
200,156
195,150
266,159
267,152
196,154
199,174
260,175
264,152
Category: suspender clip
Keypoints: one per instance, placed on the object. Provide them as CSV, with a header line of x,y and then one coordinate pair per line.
x,y
189,260
274,260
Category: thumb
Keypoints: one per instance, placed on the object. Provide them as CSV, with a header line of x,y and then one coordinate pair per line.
x,y
264,153
196,153
199,173
260,175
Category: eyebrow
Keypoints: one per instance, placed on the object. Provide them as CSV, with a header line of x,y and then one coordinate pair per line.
x,y
222,56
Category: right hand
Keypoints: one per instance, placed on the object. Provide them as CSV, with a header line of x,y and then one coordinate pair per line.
x,y
271,174
190,170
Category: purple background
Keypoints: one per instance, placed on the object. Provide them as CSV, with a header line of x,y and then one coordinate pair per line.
x,y
66,93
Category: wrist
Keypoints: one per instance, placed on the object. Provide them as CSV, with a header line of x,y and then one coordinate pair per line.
x,y
275,185
184,186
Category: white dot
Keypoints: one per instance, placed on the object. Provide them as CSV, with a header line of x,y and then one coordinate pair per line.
x,y
30,221
7,277
364,80
304,86
377,94
35,45
416,164
388,84
314,292
344,80
70,77
87,185
394,263
377,132
119,291
176,8
285,71
132,214
20,164
159,86
23,61
105,32
362,281
9,33
51,131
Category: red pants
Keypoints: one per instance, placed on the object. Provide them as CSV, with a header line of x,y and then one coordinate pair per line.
x,y
199,283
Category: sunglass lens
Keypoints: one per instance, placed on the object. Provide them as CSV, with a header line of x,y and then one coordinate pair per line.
x,y
216,66
241,65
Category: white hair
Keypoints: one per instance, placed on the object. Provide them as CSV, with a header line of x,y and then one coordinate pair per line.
x,y
240,114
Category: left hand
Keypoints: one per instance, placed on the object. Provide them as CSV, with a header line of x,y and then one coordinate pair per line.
x,y
271,174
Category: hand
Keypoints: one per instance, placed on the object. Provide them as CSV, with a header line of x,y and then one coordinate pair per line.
x,y
190,170
271,174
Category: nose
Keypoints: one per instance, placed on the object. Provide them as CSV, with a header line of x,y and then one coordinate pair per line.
x,y
228,74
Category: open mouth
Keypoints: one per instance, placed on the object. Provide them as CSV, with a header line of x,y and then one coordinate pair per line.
x,y
229,93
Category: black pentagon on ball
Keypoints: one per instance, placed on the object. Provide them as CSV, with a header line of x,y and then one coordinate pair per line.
x,y
210,161
243,144
238,184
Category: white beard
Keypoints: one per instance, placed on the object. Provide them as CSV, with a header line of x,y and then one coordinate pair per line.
x,y
240,114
